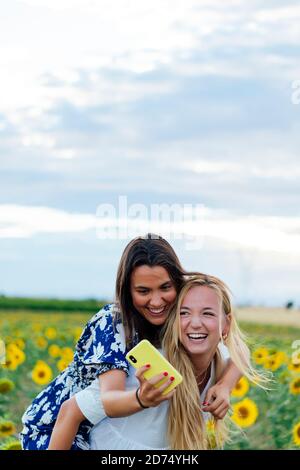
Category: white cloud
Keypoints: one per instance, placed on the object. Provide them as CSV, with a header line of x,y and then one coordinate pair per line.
x,y
25,221
258,169
130,35
278,15
267,234
38,140
211,167
59,4
121,37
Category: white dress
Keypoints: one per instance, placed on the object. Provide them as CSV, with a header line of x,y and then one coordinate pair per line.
x,y
145,430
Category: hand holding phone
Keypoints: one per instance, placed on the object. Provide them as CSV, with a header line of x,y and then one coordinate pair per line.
x,y
160,370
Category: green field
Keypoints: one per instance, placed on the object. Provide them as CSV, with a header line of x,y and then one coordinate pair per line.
x,y
50,337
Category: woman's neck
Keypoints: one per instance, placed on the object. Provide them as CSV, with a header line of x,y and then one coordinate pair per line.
x,y
201,365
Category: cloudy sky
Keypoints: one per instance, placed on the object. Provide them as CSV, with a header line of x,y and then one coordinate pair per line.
x,y
154,102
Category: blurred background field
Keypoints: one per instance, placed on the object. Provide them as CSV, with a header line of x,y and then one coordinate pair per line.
x,y
40,343
269,316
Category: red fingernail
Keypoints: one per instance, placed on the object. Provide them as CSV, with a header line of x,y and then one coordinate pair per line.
x,y
172,378
148,365
165,374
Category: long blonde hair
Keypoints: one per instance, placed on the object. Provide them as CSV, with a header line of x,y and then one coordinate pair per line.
x,y
186,427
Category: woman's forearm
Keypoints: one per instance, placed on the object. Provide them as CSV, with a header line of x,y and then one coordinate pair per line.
x,y
231,375
66,426
117,403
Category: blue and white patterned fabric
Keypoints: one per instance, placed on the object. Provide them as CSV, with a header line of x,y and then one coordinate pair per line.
x,y
100,348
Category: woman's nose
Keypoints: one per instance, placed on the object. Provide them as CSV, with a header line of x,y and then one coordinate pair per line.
x,y
196,321
156,301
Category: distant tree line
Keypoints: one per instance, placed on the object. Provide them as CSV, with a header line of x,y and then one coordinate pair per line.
x,y
86,305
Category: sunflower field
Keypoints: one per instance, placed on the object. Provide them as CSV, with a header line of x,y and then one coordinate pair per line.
x,y
37,346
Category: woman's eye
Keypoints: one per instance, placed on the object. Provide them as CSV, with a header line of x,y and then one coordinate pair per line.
x,y
184,313
208,313
166,287
143,292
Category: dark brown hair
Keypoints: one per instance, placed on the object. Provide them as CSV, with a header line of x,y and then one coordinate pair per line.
x,y
150,250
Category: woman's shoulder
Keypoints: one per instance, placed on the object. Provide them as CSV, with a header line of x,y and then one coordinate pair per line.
x,y
103,320
104,329
108,312
224,351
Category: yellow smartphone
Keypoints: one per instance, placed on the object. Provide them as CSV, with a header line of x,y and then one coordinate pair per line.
x,y
145,353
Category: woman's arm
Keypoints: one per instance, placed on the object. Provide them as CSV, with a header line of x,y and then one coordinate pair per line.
x,y
217,400
66,426
86,404
118,403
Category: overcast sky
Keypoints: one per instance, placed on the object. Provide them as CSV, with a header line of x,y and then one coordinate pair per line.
x,y
161,102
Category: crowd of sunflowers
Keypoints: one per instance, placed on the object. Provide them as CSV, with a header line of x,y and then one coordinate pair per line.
x,y
39,346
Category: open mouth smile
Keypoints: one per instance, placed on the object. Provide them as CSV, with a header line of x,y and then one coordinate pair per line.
x,y
157,311
197,337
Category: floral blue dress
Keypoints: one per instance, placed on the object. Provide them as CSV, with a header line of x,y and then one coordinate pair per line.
x,y
100,348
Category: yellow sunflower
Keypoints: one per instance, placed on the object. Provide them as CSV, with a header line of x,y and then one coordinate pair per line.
x,y
42,373
274,361
10,362
295,386
211,435
20,343
62,364
210,425
241,388
50,333
67,354
7,428
11,444
245,413
260,355
282,356
6,385
294,367
54,350
17,353
41,342
296,434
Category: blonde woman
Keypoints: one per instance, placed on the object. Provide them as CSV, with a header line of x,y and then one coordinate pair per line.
x,y
202,318
196,328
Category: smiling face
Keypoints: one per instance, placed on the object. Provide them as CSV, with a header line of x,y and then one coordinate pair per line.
x,y
153,293
202,320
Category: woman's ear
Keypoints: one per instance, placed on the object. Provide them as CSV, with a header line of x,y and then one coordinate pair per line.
x,y
226,328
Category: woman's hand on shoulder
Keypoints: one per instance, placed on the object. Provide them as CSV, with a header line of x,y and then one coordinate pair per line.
x,y
217,400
